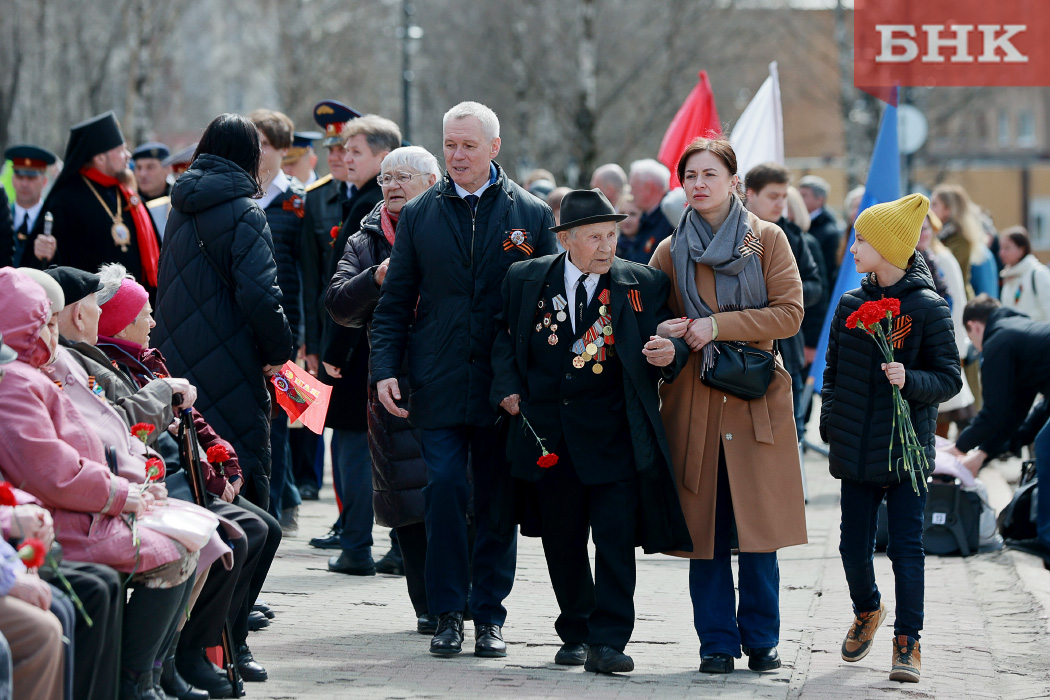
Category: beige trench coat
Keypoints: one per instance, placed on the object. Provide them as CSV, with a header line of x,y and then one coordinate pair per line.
x,y
758,436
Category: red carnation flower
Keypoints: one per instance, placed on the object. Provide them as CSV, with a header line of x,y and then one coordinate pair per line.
x,y
547,460
142,431
32,553
217,454
154,469
853,320
334,233
7,495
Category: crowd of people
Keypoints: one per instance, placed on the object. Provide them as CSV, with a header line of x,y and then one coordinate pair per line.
x,y
503,358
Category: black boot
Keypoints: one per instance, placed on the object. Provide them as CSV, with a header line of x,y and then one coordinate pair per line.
x,y
391,563
195,668
137,686
174,684
449,637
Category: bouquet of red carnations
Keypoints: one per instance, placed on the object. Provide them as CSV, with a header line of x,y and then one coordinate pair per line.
x,y
871,318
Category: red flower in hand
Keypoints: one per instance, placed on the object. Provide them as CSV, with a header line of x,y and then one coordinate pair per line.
x,y
7,495
547,460
154,469
142,431
32,553
217,454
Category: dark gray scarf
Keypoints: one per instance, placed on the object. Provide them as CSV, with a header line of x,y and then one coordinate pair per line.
x,y
739,281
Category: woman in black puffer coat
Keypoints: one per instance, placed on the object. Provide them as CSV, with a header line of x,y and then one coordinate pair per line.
x,y
219,318
398,471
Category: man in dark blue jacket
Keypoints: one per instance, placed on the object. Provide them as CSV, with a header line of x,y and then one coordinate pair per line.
x,y
454,245
1015,369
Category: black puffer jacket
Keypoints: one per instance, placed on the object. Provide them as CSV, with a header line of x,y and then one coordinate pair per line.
x,y
444,286
856,416
398,471
216,336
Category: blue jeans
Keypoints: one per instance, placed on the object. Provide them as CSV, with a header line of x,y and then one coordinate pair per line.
x,y
721,624
450,573
62,608
1042,470
860,515
353,462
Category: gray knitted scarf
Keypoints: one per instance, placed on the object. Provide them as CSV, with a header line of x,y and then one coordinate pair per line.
x,y
733,253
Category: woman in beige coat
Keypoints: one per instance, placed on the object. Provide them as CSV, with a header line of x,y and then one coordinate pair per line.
x,y
735,461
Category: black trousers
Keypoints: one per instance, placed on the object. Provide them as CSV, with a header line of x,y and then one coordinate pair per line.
x,y
225,590
413,542
96,648
239,608
599,610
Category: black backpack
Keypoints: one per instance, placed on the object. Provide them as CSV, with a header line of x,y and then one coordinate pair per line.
x,y
952,521
1017,521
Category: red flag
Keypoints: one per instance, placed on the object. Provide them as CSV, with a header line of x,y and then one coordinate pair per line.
x,y
697,116
302,396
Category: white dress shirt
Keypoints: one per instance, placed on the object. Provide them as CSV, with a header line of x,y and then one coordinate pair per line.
x,y
32,212
572,277
492,179
278,187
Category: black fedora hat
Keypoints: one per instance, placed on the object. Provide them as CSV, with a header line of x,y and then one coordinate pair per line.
x,y
582,207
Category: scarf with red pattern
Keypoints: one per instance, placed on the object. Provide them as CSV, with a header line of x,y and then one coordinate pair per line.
x,y
149,249
389,223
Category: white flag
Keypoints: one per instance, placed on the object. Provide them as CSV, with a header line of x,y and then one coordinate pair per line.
x,y
758,135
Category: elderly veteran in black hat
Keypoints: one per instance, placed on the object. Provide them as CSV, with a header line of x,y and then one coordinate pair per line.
x,y
97,214
29,177
577,364
150,171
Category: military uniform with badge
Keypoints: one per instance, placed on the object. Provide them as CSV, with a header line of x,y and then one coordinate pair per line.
x,y
30,165
159,208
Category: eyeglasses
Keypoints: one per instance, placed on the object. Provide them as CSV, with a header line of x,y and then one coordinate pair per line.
x,y
400,177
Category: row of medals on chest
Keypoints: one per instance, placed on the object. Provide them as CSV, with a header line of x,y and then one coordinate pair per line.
x,y
596,344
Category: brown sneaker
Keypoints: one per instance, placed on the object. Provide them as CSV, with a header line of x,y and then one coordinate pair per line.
x,y
857,643
907,659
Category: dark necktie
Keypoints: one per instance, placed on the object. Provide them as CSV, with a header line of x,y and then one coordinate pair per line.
x,y
472,200
23,229
581,302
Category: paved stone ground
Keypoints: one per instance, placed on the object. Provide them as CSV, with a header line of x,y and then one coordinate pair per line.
x,y
986,634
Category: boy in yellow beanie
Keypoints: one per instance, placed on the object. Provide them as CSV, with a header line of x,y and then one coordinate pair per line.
x,y
857,420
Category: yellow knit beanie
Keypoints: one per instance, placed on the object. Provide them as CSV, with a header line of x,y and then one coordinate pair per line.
x,y
892,228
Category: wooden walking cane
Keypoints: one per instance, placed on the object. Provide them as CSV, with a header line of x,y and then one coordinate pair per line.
x,y
190,451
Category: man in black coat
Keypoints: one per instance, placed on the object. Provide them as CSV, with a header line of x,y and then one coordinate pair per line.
x,y
578,363
98,217
454,245
822,225
1015,369
767,188
366,140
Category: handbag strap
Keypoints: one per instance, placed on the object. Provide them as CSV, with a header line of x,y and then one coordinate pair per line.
x,y
200,244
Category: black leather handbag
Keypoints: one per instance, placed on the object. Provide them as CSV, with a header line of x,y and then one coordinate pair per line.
x,y
742,370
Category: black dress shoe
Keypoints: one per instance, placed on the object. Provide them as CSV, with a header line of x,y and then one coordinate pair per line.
x,y
716,663
427,623
391,563
343,564
199,672
264,609
257,621
308,492
605,659
329,541
488,641
250,669
764,659
571,654
174,684
448,639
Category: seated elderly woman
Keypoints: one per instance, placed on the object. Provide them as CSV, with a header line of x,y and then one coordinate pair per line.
x,y
120,332
48,450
